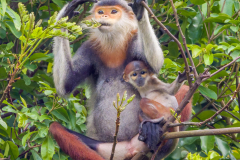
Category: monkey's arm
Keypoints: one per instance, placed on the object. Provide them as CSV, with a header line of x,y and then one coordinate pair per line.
x,y
152,49
69,72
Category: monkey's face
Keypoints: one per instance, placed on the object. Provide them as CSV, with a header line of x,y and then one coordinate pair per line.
x,y
107,16
138,78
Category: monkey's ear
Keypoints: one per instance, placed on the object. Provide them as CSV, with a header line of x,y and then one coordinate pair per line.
x,y
125,78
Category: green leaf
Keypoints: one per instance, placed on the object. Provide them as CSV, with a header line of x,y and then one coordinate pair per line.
x,y
194,31
4,7
196,50
23,101
22,120
9,45
43,117
47,149
13,150
59,3
35,155
2,123
15,18
26,79
208,59
223,146
43,132
24,139
198,2
11,26
207,143
234,28
39,57
173,49
3,73
207,92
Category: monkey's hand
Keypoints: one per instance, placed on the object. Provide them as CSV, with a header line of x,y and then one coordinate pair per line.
x,y
150,132
73,5
138,8
183,76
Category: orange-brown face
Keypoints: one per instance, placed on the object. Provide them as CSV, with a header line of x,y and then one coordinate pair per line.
x,y
107,15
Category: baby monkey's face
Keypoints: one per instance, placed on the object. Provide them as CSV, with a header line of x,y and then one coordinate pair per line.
x,y
138,78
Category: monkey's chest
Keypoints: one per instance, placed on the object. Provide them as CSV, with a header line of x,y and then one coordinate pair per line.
x,y
105,114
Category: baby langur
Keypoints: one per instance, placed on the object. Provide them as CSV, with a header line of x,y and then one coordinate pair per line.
x,y
157,99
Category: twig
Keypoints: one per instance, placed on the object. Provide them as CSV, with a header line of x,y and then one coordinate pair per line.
x,y
184,42
229,64
172,36
227,105
203,22
183,124
182,134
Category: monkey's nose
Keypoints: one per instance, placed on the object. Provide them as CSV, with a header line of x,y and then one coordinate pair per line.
x,y
104,16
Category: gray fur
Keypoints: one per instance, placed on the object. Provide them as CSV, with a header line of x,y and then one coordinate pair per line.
x,y
107,82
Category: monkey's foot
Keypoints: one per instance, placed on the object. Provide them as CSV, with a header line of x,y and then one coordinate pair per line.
x,y
150,132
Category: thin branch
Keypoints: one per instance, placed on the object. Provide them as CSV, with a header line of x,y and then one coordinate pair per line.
x,y
182,134
183,124
229,64
226,106
172,36
184,42
203,22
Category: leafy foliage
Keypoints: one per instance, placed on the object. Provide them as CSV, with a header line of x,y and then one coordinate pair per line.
x,y
29,102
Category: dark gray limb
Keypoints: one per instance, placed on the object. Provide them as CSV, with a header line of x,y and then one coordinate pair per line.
x,y
150,132
183,76
138,8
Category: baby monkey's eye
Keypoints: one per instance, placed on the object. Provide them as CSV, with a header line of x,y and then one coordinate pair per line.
x,y
134,74
114,11
143,72
100,12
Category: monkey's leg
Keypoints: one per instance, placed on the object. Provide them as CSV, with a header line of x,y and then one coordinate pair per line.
x,y
78,146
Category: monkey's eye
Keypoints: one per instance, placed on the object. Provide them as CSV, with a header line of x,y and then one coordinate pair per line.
x,y
143,72
134,74
114,11
100,12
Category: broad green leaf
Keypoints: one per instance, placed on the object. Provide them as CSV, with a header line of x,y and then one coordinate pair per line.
x,y
47,149
188,141
223,146
196,50
22,120
26,79
234,28
194,31
15,17
59,3
43,117
208,59
173,49
4,7
228,6
3,73
23,101
32,115
11,26
198,2
35,155
13,150
9,45
6,151
2,123
24,139
43,132
214,155
39,57
207,143
220,18
207,92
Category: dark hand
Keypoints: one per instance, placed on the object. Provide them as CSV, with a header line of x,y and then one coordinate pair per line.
x,y
183,76
138,8
150,132
73,5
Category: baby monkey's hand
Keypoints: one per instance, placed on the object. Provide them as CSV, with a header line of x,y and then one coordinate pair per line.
x,y
183,76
